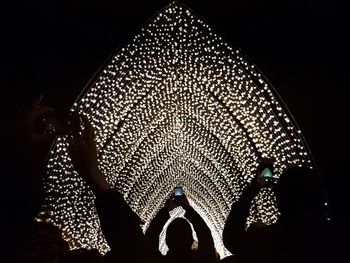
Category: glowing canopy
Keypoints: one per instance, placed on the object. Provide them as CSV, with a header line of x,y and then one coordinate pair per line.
x,y
177,106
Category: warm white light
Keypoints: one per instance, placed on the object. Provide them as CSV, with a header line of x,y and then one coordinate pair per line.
x,y
177,106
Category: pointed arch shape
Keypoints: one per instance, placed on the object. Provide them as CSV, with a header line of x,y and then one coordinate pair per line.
x,y
176,84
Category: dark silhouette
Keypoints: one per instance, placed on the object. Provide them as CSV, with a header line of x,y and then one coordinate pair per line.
x,y
23,154
179,235
46,246
83,255
230,259
299,233
120,225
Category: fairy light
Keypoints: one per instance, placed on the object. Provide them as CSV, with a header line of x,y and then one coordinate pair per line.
x,y
175,213
177,106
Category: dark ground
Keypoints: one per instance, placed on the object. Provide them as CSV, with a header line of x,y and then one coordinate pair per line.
x,y
299,45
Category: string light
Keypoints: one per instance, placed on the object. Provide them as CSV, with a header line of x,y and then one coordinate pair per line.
x,y
177,106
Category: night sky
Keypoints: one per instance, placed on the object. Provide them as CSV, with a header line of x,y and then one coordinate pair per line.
x,y
300,46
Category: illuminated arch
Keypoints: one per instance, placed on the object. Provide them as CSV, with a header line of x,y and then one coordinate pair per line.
x,y
177,105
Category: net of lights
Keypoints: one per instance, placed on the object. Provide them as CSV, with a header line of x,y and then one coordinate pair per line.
x,y
178,105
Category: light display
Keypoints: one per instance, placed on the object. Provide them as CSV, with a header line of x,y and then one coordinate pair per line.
x,y
176,212
177,106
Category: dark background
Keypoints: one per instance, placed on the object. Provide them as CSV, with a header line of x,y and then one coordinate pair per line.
x,y
57,46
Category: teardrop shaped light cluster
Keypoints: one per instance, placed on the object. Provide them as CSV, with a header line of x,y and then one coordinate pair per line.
x,y
177,106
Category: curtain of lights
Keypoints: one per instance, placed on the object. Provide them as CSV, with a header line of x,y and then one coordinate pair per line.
x,y
176,106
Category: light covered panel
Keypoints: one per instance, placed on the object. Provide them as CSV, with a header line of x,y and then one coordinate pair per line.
x,y
177,106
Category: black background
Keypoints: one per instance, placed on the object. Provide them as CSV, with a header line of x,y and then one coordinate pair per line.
x,y
57,46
